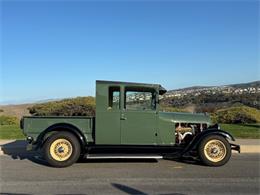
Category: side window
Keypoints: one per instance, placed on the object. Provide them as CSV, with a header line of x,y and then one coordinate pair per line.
x,y
114,98
140,99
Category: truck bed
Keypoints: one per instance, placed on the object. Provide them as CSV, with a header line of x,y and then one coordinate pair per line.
x,y
34,125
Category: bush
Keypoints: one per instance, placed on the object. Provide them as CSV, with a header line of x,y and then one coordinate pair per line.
x,y
171,109
237,114
80,106
8,120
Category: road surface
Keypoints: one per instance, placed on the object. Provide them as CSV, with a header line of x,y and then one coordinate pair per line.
x,y
28,174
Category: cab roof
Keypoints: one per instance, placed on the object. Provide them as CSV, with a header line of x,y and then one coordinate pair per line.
x,y
162,90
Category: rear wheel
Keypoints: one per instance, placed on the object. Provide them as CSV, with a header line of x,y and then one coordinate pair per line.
x,y
214,150
61,149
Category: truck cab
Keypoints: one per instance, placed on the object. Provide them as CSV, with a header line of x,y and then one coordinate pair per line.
x,y
128,124
127,113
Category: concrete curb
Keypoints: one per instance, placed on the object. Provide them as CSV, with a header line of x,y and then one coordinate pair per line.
x,y
16,147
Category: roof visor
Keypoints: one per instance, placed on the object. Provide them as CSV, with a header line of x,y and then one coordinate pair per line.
x,y
162,90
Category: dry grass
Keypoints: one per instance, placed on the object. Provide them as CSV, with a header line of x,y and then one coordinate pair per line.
x,y
15,110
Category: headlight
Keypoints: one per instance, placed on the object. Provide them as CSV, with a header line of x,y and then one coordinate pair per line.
x,y
29,139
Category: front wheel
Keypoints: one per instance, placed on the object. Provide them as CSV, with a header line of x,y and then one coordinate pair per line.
x,y
61,149
214,150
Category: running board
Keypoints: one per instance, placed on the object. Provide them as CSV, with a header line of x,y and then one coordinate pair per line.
x,y
123,156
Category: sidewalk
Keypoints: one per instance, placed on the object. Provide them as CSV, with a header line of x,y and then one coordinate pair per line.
x,y
19,146
249,145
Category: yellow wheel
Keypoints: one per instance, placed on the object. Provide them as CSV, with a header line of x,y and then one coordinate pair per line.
x,y
214,150
61,149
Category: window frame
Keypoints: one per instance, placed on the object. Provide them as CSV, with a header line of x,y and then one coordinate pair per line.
x,y
151,90
111,90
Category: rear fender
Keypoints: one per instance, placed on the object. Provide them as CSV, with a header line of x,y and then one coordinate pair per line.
x,y
61,127
196,140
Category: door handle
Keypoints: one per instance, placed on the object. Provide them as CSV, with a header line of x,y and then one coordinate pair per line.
x,y
123,118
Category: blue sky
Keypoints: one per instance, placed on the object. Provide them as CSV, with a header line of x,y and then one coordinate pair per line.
x,y
57,49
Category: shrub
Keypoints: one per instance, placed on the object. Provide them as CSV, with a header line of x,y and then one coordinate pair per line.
x,y
171,109
80,106
237,114
8,120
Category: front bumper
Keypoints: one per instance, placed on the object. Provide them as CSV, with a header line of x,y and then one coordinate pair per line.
x,y
235,147
31,147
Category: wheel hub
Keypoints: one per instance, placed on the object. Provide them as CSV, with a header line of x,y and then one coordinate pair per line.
x,y
214,150
61,149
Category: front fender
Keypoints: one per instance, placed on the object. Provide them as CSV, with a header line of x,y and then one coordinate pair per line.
x,y
197,139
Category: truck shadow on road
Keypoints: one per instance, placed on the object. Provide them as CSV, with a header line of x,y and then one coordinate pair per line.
x,y
17,150
131,190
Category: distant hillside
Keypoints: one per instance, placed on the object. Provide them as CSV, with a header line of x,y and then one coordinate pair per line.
x,y
245,85
211,98
254,84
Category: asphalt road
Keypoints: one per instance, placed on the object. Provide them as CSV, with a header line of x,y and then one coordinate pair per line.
x,y
29,175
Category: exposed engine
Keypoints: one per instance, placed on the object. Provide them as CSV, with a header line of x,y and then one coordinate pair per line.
x,y
184,132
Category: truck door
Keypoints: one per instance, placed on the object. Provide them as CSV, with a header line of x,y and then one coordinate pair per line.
x,y
139,116
108,115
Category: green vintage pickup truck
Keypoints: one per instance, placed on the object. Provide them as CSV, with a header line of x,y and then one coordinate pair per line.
x,y
128,124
